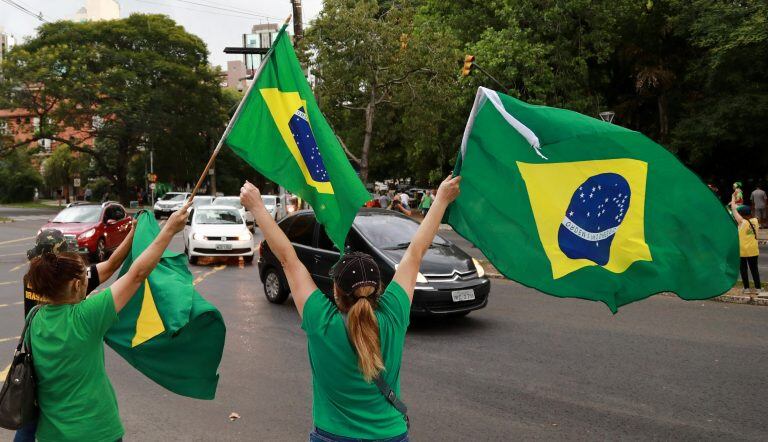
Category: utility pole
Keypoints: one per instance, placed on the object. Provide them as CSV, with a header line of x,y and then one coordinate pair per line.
x,y
298,30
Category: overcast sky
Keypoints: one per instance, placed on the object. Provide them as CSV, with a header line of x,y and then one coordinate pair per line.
x,y
217,27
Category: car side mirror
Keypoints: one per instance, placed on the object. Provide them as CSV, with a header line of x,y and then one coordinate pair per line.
x,y
111,222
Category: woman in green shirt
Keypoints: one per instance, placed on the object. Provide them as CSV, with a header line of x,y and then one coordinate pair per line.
x,y
348,359
77,402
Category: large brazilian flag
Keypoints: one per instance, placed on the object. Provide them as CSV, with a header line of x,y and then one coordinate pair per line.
x,y
577,207
167,330
281,133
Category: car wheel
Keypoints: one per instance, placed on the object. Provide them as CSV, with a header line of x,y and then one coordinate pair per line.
x,y
101,251
192,259
157,215
248,259
274,290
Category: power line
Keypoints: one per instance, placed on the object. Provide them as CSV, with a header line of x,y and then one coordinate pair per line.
x,y
228,9
25,10
245,17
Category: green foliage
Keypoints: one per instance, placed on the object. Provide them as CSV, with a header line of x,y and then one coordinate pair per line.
x,y
61,168
99,186
18,179
145,80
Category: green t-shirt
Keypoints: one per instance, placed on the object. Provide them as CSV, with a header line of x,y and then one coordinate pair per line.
x,y
344,404
77,402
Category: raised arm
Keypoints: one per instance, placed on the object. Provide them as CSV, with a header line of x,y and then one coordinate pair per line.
x,y
108,268
408,268
735,210
125,287
299,279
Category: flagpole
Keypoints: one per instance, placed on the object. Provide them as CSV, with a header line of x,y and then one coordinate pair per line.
x,y
234,117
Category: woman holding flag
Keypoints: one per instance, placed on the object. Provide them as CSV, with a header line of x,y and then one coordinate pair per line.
x,y
77,401
355,343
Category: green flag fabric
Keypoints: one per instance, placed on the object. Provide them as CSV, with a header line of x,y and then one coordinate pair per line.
x,y
167,330
577,207
281,133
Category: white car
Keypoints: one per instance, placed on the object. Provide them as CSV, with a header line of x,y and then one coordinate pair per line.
x,y
217,231
202,200
271,204
169,203
234,201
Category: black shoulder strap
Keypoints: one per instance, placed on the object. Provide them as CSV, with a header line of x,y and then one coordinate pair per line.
x,y
27,321
382,384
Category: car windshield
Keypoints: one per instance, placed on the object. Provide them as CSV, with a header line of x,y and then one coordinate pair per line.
x,y
218,216
232,202
79,214
390,232
177,197
202,201
269,200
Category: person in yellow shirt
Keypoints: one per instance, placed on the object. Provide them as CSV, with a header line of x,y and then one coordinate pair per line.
x,y
748,250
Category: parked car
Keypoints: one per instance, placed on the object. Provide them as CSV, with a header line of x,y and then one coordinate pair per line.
x,y
93,229
169,203
450,281
217,231
202,200
234,201
271,203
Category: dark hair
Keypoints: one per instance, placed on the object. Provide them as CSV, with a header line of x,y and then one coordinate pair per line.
x,y
50,273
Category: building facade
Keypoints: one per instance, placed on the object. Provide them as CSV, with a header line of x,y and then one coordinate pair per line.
x,y
98,10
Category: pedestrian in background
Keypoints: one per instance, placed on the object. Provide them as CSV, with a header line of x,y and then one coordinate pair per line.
x,y
737,195
397,206
426,202
384,200
405,199
748,248
355,342
76,399
759,200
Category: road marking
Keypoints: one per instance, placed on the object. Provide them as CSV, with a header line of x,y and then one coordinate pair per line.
x,y
9,282
17,240
4,373
13,254
12,338
17,267
13,303
202,277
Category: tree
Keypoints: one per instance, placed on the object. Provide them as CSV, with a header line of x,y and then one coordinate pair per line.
x,y
361,58
139,82
18,179
60,168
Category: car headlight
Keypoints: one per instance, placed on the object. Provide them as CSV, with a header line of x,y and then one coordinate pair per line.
x,y
421,278
244,237
198,236
479,267
87,234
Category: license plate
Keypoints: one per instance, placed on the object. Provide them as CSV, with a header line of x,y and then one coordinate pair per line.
x,y
223,246
463,295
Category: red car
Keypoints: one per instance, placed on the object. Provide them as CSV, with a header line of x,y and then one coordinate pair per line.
x,y
95,229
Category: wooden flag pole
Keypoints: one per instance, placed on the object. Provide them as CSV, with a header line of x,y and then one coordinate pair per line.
x,y
232,120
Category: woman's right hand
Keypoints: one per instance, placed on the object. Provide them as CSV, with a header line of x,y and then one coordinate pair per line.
x,y
178,219
449,189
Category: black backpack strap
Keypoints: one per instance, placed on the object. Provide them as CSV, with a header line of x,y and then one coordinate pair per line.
x,y
23,336
386,391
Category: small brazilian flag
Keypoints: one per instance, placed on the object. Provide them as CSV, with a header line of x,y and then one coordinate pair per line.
x,y
577,207
167,330
281,133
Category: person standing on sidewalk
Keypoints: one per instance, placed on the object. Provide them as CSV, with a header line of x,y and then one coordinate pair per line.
x,y
759,200
426,202
748,249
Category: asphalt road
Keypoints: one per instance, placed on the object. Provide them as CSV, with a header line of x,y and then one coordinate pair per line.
x,y
529,366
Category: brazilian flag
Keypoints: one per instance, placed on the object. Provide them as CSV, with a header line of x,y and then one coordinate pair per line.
x,y
281,133
577,207
167,330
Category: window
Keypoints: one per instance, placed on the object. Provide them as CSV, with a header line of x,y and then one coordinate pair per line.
x,y
3,127
78,214
119,213
218,216
390,231
324,242
302,230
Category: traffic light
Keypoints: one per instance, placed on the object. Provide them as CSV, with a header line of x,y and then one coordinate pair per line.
x,y
468,63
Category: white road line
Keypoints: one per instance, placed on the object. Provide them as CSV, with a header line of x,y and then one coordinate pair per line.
x,y
31,218
16,240
4,373
9,282
13,254
12,338
13,303
17,267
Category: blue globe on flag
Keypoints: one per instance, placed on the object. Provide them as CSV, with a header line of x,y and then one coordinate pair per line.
x,y
305,140
595,213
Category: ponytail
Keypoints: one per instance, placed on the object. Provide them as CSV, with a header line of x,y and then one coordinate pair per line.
x,y
364,333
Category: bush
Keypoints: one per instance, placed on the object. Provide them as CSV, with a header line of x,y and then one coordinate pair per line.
x,y
99,186
18,179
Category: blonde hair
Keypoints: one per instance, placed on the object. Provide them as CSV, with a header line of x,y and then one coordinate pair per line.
x,y
364,330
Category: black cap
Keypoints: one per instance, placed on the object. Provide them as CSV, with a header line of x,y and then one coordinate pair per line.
x,y
356,270
48,241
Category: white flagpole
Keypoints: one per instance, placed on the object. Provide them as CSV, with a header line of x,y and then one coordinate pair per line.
x,y
234,117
